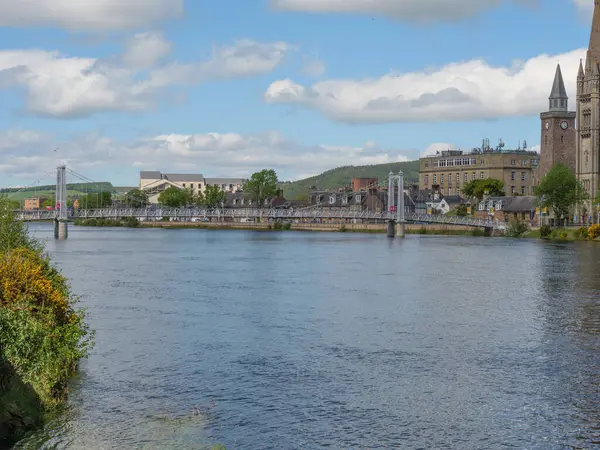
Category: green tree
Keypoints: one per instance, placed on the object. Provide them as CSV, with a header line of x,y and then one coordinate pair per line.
x,y
479,188
48,203
96,200
460,211
174,197
13,233
214,196
560,191
198,199
261,186
137,198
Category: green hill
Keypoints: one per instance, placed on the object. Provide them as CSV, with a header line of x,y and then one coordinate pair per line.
x,y
342,176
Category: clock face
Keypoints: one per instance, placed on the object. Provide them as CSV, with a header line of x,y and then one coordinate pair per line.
x,y
564,124
547,125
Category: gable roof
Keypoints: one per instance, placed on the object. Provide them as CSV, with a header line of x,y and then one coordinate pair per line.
x,y
521,204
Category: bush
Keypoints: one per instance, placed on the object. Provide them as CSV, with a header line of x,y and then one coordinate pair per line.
x,y
594,231
564,235
42,335
287,226
131,222
278,226
545,231
581,233
343,229
517,228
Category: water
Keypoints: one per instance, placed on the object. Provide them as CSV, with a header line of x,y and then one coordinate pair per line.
x,y
313,340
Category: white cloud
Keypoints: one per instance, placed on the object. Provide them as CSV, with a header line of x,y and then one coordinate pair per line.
x,y
314,68
433,149
462,91
409,10
62,86
585,6
88,15
212,154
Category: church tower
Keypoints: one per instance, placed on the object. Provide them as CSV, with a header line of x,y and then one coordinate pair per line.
x,y
588,116
559,139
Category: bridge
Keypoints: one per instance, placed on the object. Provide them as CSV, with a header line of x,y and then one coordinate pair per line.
x,y
395,217
224,214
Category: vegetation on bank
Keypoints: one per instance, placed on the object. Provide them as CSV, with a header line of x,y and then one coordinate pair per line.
x,y
43,335
591,233
129,222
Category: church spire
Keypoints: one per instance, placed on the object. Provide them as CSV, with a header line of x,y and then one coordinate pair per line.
x,y
594,48
558,96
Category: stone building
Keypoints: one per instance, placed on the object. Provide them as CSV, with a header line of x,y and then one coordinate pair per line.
x,y
559,138
451,170
588,116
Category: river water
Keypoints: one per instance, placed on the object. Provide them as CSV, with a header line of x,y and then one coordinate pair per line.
x,y
292,340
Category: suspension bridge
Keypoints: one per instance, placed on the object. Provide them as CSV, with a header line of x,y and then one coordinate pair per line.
x,y
395,217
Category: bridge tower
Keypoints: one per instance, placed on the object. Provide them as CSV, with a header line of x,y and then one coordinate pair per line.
x,y
60,208
397,221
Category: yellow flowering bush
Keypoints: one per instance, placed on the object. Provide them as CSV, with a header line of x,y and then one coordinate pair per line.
x,y
594,231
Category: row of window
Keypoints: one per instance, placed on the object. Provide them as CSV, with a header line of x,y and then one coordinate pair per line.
x,y
513,176
469,162
223,187
333,198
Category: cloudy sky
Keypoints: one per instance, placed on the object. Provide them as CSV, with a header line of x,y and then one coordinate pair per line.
x,y
228,87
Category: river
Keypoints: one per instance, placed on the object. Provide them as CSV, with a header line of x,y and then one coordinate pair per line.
x,y
296,340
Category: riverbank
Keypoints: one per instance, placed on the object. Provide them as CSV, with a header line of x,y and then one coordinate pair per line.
x,y
451,230
43,336
582,234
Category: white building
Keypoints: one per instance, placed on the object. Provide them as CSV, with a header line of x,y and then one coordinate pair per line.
x,y
155,182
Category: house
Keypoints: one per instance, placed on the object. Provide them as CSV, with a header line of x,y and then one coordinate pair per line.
x,y
155,182
32,204
521,208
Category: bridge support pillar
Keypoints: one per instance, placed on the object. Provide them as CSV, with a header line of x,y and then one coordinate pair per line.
x,y
61,230
391,229
400,229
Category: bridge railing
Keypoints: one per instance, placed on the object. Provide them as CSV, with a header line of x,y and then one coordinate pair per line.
x,y
263,213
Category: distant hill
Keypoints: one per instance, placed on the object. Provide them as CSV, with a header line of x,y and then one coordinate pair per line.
x,y
73,190
342,176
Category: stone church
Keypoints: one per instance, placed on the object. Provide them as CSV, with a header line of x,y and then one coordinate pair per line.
x,y
587,166
576,144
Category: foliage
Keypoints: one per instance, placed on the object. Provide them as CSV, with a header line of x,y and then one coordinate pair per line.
x,y
480,188
214,196
343,229
594,231
287,226
581,233
261,186
137,198
517,228
460,211
174,197
96,200
560,190
130,222
42,335
545,231
342,176
277,226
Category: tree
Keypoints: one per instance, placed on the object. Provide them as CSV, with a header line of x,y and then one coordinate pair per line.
x,y
174,197
261,186
214,196
559,190
137,198
96,200
460,211
198,199
479,188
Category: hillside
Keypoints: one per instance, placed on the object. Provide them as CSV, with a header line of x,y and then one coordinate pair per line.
x,y
342,176
73,190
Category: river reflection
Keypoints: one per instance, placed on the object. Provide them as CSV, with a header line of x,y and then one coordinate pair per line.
x,y
310,340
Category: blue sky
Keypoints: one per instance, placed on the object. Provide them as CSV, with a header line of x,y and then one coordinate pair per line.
x,y
228,87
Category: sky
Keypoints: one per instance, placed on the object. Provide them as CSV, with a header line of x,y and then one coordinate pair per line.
x,y
229,87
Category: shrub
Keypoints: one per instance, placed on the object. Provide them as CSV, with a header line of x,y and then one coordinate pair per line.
x,y
564,235
277,226
545,231
287,226
343,229
131,222
581,233
517,228
594,231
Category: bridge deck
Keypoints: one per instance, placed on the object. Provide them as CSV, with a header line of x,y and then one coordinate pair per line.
x,y
239,213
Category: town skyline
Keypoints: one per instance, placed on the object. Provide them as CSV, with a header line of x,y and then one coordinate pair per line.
x,y
225,95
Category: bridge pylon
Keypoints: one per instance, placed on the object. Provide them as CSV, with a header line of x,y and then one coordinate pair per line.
x,y
60,208
396,226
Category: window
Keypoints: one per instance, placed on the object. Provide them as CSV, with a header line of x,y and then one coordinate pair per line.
x,y
466,177
481,175
512,176
465,161
522,190
183,184
442,179
524,163
513,162
473,161
562,139
522,176
426,165
345,200
435,179
426,179
436,164
457,178
458,162
450,162
546,140
443,163
482,161
512,189
473,176
332,199
358,198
